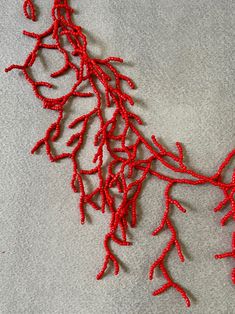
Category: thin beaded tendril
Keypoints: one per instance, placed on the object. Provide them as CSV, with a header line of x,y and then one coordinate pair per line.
x,y
29,10
125,172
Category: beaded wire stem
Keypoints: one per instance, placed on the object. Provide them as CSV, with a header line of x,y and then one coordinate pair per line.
x,y
124,174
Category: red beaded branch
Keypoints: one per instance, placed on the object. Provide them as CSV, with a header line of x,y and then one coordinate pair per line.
x,y
229,254
117,164
29,10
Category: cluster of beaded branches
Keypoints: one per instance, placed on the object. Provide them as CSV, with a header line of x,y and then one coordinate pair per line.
x,y
122,175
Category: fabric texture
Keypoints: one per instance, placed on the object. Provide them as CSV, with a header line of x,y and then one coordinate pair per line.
x,y
180,55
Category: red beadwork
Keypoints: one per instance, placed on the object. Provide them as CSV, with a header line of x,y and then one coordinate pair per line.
x,y
124,162
29,10
229,254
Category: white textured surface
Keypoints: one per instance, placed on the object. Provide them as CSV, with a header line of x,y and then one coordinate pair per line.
x,y
181,55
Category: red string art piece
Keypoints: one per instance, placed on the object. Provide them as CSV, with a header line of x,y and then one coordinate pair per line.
x,y
122,177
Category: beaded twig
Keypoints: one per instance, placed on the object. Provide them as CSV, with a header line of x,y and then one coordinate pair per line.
x,y
29,10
